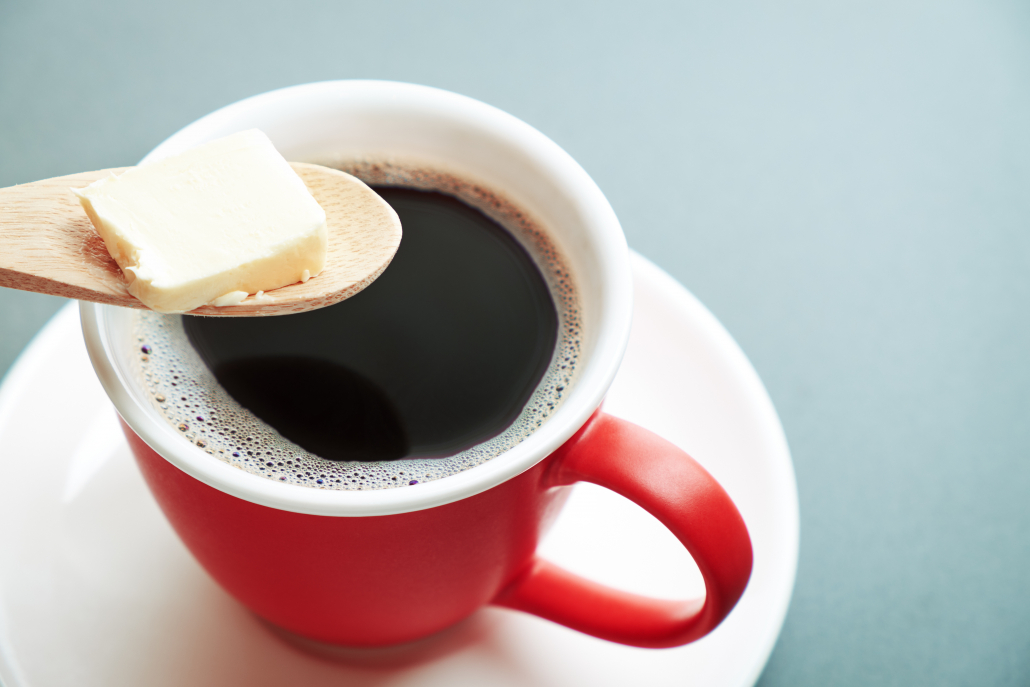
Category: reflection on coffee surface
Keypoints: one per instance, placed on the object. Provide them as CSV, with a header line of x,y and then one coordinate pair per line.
x,y
460,350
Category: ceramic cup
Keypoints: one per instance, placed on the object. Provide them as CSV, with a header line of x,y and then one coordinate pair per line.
x,y
380,567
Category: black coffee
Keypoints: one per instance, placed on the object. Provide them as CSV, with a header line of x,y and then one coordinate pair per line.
x,y
441,353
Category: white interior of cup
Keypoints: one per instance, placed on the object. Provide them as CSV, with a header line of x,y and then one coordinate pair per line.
x,y
345,120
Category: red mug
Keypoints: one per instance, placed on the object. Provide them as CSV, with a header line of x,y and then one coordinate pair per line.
x,y
381,567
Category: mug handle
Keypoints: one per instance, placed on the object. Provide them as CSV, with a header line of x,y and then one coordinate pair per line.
x,y
669,484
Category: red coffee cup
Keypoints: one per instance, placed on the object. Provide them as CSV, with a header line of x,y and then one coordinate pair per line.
x,y
380,567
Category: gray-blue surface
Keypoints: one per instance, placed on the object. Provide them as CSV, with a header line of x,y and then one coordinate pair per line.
x,y
847,187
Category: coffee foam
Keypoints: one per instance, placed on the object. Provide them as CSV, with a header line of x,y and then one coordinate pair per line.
x,y
190,399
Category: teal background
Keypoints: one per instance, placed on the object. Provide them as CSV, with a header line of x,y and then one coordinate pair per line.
x,y
845,185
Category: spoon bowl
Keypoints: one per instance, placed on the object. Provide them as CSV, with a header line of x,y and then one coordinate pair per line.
x,y
48,245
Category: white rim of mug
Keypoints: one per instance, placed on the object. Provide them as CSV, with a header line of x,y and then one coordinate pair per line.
x,y
593,379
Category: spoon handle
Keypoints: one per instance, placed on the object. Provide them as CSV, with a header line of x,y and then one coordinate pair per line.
x,y
48,245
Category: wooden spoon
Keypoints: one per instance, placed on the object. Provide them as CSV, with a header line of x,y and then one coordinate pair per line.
x,y
48,245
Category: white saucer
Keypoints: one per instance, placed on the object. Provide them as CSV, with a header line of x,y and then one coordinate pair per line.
x,y
96,590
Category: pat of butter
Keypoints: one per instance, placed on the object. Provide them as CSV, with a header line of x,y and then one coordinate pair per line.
x,y
211,225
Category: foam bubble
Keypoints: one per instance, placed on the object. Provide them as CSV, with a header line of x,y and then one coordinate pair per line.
x,y
189,397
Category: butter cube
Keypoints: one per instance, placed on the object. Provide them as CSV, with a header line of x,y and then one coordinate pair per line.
x,y
211,225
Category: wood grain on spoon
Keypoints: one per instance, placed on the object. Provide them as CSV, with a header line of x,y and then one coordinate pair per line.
x,y
48,245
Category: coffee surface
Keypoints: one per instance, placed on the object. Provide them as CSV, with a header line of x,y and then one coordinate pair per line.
x,y
460,351
441,353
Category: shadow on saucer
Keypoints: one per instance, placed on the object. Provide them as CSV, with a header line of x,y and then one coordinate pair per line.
x,y
476,629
